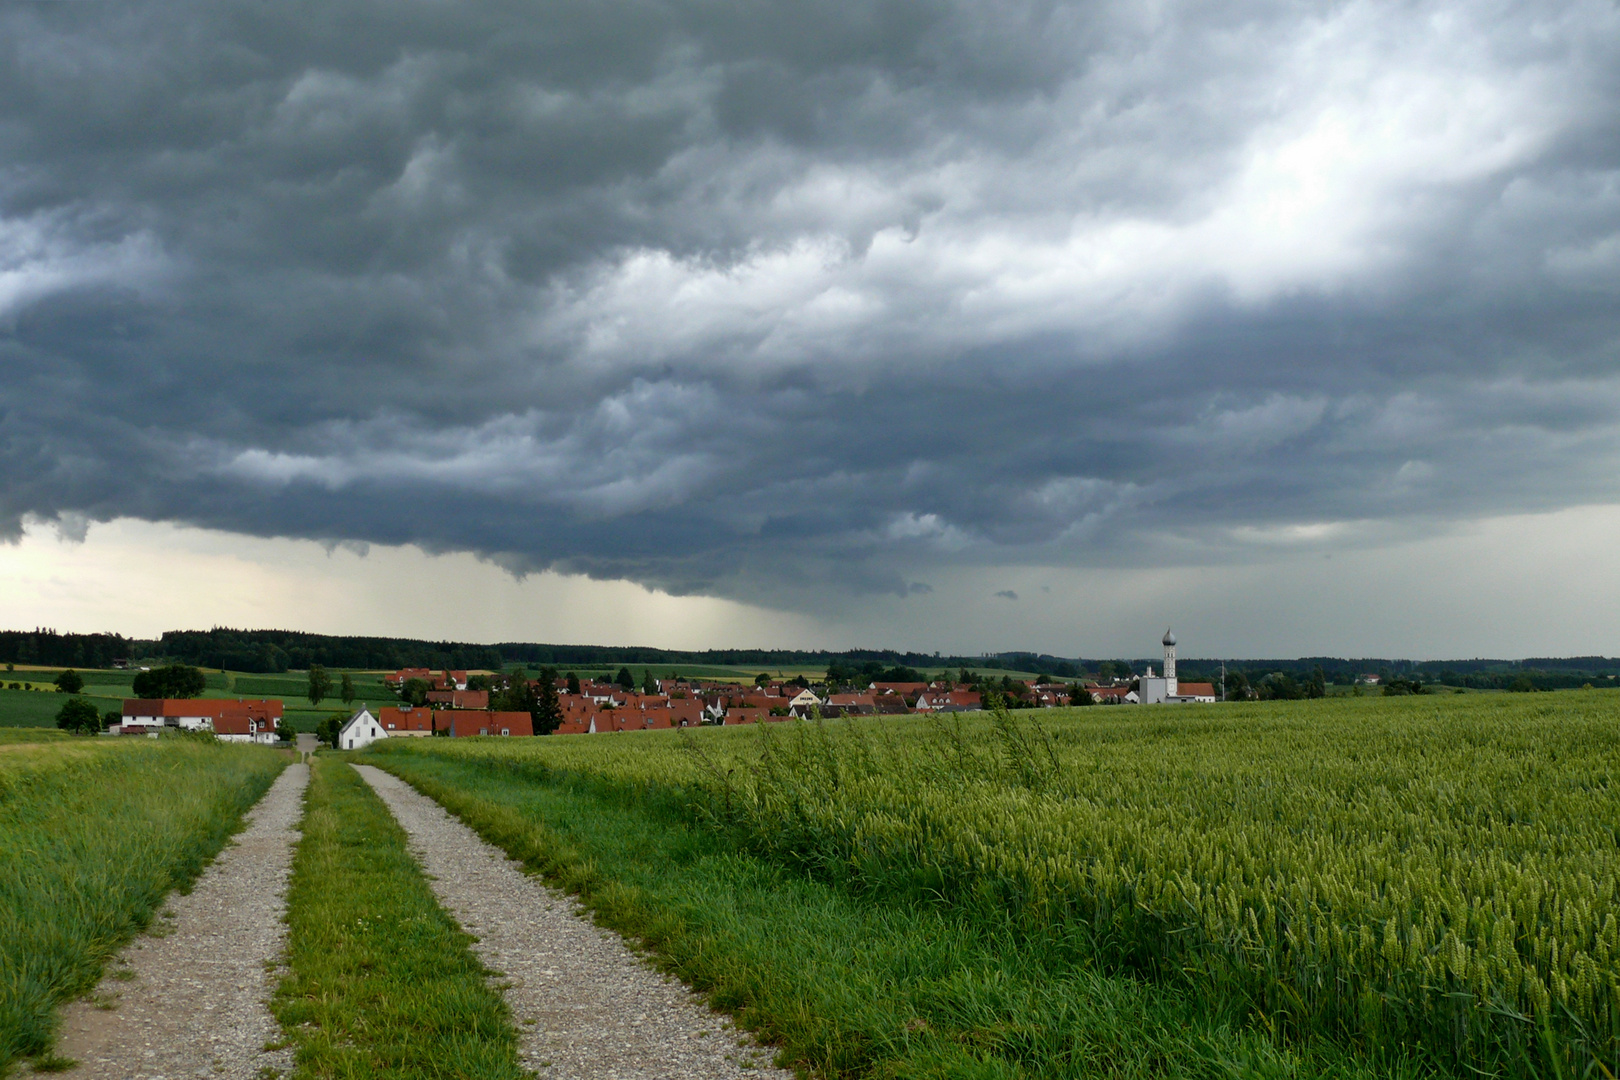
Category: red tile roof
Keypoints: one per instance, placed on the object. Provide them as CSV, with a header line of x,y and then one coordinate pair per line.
x,y
407,718
468,722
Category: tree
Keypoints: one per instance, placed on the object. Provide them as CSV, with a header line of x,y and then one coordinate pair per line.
x,y
547,712
573,683
1236,687
1079,695
1316,685
1280,686
346,689
415,691
625,679
762,679
649,685
173,681
70,682
78,716
519,693
320,684
327,730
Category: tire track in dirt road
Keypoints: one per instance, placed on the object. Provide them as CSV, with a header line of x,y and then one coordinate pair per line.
x,y
587,1007
189,1001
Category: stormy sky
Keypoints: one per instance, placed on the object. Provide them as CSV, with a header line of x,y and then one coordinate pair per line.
x,y
895,320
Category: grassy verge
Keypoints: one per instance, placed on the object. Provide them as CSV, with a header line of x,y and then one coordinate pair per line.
x,y
849,985
382,982
93,835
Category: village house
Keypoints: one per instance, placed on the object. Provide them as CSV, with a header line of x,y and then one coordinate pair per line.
x,y
404,675
446,680
907,690
465,723
408,720
361,729
459,699
949,701
231,720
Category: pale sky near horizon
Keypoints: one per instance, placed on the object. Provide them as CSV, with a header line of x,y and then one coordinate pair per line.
x,y
1395,600
1011,324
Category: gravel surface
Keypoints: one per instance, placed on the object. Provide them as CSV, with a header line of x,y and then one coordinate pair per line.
x,y
188,998
586,1006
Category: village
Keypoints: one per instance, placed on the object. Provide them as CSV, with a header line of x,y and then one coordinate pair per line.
x,y
453,705
460,704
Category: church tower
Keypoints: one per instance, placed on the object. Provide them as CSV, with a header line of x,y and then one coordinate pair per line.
x,y
1170,663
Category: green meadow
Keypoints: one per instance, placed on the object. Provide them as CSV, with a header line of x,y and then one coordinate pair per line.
x,y
93,834
1378,886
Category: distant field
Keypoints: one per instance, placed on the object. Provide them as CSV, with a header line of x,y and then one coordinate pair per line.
x,y
35,708
108,689
1431,879
95,832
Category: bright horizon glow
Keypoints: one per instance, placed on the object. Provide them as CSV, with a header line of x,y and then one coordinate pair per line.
x,y
1499,588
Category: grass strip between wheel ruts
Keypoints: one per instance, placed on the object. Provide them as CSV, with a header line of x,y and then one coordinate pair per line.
x,y
850,986
382,981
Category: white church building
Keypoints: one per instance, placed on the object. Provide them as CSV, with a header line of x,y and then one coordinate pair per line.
x,y
1166,689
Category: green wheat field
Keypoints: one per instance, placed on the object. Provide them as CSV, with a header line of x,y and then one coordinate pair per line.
x,y
1421,886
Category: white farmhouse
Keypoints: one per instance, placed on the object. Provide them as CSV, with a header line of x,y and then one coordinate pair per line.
x,y
361,729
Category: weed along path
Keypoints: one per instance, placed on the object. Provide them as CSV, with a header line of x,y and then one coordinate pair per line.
x,y
189,999
587,1007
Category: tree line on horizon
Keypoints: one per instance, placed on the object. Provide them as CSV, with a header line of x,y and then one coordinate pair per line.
x,y
277,651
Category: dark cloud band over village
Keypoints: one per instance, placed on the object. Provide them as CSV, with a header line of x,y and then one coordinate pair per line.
x,y
798,299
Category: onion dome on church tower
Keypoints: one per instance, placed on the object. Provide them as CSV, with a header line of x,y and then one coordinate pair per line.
x,y
1169,638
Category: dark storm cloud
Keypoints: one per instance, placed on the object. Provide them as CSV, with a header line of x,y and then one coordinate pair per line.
x,y
745,297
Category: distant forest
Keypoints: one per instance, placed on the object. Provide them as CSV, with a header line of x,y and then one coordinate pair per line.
x,y
282,650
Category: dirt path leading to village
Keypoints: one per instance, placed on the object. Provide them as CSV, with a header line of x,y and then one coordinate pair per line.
x,y
188,999
587,1007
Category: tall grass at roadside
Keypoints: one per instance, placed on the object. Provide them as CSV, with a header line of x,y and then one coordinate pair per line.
x,y
1434,873
851,986
382,982
93,835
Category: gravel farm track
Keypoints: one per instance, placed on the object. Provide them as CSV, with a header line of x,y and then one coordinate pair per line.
x,y
188,1000
587,1007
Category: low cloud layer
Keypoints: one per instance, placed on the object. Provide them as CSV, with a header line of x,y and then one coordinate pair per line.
x,y
791,301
